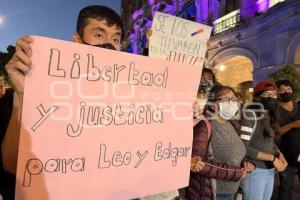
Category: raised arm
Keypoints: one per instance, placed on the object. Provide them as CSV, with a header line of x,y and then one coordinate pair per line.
x,y
18,66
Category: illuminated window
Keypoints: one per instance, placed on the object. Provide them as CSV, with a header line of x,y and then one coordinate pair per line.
x,y
274,2
227,22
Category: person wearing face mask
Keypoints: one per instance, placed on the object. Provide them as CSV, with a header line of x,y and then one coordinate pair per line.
x,y
201,100
205,169
208,75
258,125
227,147
289,143
98,26
208,80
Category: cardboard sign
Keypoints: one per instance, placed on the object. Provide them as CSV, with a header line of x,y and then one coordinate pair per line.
x,y
102,124
178,40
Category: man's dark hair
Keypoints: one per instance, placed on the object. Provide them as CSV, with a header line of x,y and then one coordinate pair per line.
x,y
285,83
100,13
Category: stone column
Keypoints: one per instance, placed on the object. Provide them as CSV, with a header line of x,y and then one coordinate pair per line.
x,y
214,10
202,8
248,9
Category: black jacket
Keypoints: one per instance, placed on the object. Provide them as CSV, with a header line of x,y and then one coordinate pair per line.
x,y
7,180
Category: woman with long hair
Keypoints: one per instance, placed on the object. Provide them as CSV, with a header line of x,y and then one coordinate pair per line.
x,y
202,184
227,147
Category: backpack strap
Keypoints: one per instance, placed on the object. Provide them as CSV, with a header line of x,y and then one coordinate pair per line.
x,y
208,126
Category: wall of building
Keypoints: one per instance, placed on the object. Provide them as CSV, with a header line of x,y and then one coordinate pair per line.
x,y
268,36
269,40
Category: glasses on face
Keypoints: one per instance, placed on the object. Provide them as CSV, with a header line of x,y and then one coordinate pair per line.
x,y
269,95
228,99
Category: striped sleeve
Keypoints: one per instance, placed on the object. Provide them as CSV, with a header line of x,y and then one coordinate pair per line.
x,y
248,126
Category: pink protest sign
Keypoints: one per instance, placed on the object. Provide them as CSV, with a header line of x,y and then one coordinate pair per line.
x,y
101,124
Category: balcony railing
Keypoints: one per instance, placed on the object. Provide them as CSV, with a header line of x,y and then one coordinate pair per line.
x,y
226,22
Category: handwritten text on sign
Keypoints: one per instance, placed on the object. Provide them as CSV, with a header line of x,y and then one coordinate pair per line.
x,y
178,40
100,124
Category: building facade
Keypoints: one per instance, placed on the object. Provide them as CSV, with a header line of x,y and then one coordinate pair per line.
x,y
250,39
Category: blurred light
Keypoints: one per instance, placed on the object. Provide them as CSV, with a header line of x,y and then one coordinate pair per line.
x,y
1,20
222,67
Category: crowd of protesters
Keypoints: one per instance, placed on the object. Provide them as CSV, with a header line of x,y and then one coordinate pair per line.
x,y
237,148
269,130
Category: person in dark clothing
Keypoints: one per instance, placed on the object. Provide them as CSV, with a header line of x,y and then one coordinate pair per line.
x,y
289,143
7,180
258,127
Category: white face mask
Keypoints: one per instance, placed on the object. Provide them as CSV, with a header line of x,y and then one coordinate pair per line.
x,y
228,109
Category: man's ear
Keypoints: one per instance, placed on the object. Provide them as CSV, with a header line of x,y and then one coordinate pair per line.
x,y
76,38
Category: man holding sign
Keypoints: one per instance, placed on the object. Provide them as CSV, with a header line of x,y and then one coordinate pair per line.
x,y
96,25
88,156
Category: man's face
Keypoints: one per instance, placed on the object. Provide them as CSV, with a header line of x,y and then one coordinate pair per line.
x,y
97,32
2,88
285,93
285,89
